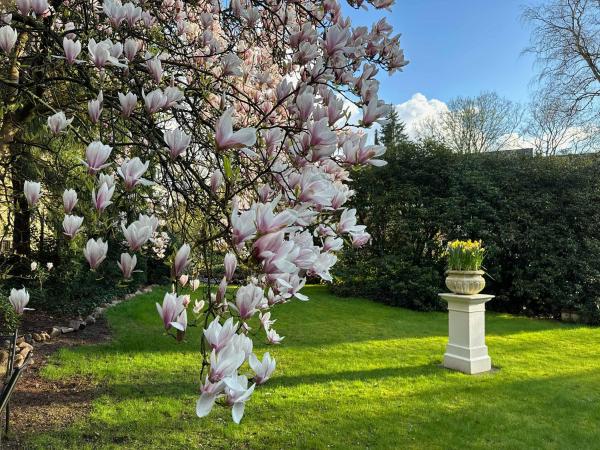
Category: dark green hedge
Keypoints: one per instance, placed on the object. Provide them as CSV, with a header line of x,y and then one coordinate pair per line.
x,y
537,216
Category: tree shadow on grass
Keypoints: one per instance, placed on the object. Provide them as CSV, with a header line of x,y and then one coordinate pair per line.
x,y
469,412
149,388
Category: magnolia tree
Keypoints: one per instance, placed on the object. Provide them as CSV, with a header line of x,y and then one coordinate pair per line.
x,y
227,124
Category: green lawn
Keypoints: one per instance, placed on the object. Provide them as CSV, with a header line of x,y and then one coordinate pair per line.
x,y
350,374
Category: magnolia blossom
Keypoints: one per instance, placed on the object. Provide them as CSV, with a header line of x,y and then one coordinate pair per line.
x,y
49,266
96,155
225,362
209,393
177,142
243,225
136,235
180,323
128,103
131,171
155,100
95,108
127,264
24,6
195,284
101,199
100,53
40,7
226,138
247,300
105,178
32,191
95,252
360,239
18,299
236,394
360,153
131,48
348,224
8,38
69,200
273,337
148,221
230,265
181,259
198,306
263,369
171,310
265,320
33,266
72,49
373,111
183,279
58,122
155,68
217,335
71,225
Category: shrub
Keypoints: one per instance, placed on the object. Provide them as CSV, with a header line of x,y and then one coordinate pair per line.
x,y
537,217
9,320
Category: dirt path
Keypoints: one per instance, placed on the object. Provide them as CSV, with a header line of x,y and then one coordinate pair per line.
x,y
39,404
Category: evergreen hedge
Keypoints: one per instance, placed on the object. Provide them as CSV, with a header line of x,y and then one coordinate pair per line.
x,y
538,217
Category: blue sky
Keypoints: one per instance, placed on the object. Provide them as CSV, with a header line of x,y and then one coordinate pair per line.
x,y
457,47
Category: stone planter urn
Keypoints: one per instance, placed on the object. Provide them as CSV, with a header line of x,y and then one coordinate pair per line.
x,y
465,282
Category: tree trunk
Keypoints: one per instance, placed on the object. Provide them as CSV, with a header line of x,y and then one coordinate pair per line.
x,y
21,212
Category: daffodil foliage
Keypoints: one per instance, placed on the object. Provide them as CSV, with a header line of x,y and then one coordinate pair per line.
x,y
233,125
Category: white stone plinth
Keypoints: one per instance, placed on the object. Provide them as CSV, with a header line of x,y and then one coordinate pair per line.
x,y
466,350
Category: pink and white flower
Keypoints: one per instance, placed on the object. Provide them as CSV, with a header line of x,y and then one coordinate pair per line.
x,y
128,103
96,155
69,200
33,192
72,49
131,171
8,38
136,235
263,369
102,199
237,393
18,299
95,252
247,300
219,336
71,225
225,137
127,264
181,259
273,337
172,307
58,122
177,142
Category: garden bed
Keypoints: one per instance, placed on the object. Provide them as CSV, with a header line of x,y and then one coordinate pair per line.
x,y
40,404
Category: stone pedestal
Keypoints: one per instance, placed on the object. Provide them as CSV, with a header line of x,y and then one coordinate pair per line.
x,y
466,350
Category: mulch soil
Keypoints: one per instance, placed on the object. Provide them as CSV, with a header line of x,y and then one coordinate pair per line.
x,y
39,404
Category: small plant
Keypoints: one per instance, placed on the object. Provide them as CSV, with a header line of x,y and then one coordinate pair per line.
x,y
465,255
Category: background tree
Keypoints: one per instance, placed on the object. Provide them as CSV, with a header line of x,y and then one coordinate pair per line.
x,y
554,128
566,42
474,124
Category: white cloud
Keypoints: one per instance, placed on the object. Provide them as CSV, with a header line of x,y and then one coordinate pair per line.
x,y
411,113
418,108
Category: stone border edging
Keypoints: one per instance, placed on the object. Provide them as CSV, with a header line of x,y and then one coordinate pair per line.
x,y
26,343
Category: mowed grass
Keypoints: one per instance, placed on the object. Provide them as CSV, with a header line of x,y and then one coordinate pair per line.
x,y
350,374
